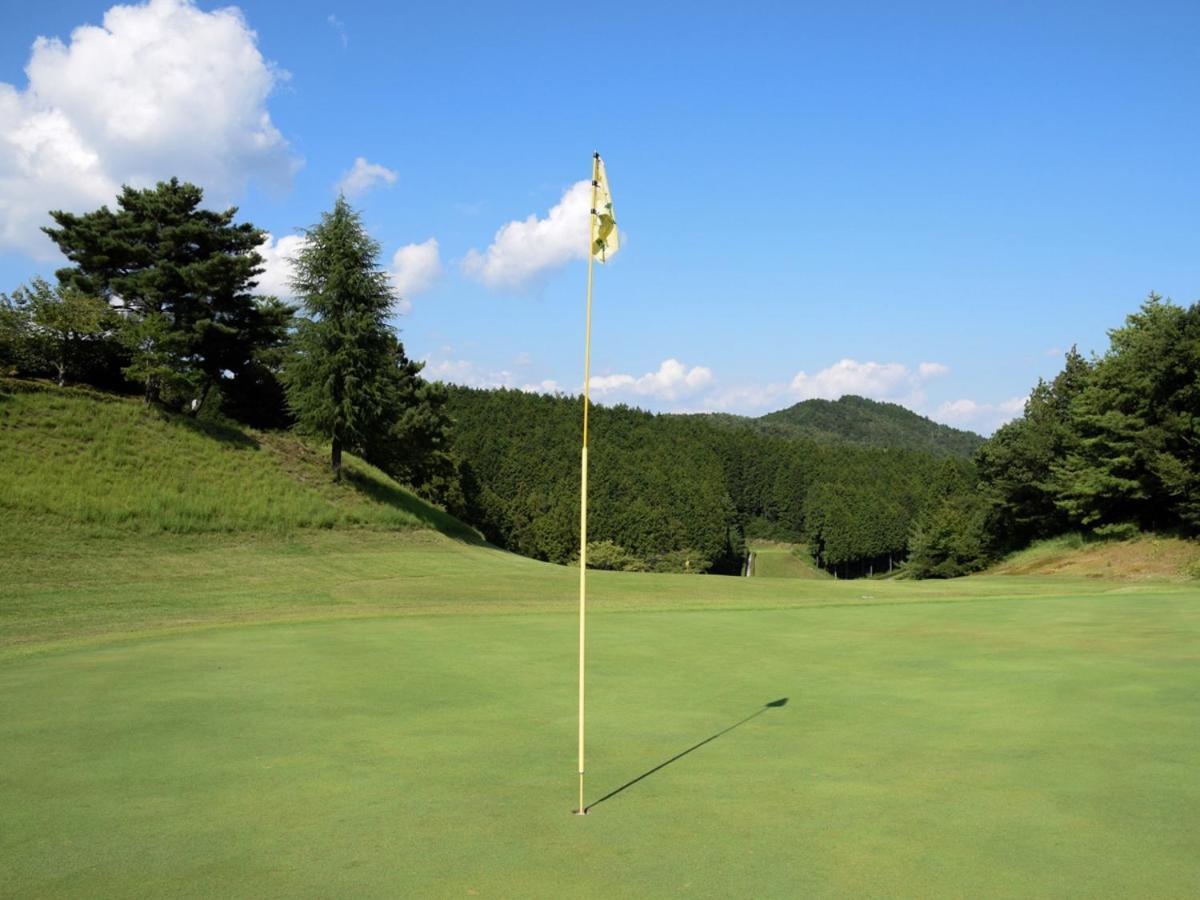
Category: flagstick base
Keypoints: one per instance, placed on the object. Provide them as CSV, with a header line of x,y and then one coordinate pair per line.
x,y
579,812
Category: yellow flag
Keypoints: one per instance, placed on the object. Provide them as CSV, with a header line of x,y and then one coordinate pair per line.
x,y
605,239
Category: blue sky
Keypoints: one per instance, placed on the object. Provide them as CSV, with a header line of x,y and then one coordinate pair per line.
x,y
927,206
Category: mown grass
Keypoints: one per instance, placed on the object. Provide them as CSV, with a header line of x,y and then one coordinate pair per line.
x,y
370,714
774,559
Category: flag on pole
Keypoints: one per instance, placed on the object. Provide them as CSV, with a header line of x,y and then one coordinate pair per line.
x,y
603,241
605,238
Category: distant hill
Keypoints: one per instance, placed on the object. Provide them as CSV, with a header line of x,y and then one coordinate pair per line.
x,y
857,420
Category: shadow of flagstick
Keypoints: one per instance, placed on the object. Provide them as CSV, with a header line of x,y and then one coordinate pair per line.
x,y
774,704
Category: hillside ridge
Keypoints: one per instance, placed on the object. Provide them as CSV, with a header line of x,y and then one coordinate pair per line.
x,y
852,419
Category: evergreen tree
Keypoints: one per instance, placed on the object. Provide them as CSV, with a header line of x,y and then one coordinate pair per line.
x,y
1136,459
1017,464
188,271
341,378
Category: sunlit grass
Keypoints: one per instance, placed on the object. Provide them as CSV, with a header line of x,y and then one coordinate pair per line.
x,y
72,459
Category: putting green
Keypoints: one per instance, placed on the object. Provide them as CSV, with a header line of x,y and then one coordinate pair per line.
x,y
992,747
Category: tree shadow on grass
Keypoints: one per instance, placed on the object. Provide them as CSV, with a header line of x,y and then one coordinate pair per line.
x,y
774,704
428,514
225,432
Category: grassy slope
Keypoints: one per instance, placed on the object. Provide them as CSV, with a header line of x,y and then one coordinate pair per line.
x,y
193,707
775,559
79,464
1147,557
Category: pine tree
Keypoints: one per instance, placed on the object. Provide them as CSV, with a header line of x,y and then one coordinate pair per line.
x,y
339,380
189,270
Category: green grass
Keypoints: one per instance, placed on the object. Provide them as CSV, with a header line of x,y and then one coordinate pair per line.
x,y
773,559
358,713
76,459
339,703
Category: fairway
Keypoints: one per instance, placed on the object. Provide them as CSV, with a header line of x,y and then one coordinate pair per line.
x,y
989,737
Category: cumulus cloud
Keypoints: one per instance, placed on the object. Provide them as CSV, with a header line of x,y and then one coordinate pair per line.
x,y
523,251
671,381
159,89
983,417
276,279
892,382
363,176
879,381
415,267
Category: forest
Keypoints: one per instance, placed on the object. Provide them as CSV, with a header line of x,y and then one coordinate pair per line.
x,y
1109,447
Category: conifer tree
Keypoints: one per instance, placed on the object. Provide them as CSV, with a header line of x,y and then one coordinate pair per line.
x,y
184,278
340,378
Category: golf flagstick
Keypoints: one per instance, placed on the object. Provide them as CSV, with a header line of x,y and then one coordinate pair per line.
x,y
581,810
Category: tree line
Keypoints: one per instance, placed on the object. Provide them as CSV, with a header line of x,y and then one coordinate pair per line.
x,y
160,297
1109,447
678,493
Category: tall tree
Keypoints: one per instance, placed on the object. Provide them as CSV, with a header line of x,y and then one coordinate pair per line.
x,y
189,272
1016,465
1136,460
340,379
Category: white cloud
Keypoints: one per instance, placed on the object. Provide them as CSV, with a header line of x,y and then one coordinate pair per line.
x,y
415,267
672,381
983,417
523,251
276,279
363,176
549,386
893,382
879,381
159,89
442,366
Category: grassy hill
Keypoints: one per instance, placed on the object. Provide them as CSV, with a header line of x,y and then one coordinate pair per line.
x,y
857,420
862,421
79,462
1142,558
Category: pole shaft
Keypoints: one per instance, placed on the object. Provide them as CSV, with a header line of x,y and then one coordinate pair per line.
x,y
583,491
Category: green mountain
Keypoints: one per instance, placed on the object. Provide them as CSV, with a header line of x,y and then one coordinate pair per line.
x,y
857,420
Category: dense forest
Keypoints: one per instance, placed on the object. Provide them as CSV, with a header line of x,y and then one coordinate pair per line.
x,y
1109,447
681,493
857,420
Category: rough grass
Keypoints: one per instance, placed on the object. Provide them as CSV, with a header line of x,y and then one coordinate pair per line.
x,y
776,559
75,459
1146,557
